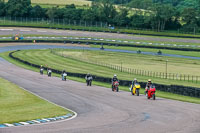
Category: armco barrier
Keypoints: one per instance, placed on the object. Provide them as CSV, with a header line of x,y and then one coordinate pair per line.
x,y
177,89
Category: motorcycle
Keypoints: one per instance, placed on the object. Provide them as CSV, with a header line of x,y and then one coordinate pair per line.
x,y
49,73
135,89
64,76
150,92
115,86
89,81
41,71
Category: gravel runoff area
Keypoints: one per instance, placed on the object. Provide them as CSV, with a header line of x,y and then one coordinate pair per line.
x,y
34,31
101,110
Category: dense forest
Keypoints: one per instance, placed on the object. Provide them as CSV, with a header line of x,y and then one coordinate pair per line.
x,y
157,15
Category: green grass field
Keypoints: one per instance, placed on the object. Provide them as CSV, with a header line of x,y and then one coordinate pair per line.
x,y
18,105
125,88
138,61
164,51
73,65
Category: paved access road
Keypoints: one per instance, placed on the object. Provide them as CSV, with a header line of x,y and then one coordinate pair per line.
x,y
36,31
100,110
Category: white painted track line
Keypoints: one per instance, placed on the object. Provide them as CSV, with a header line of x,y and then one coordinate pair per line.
x,y
25,30
41,31
6,29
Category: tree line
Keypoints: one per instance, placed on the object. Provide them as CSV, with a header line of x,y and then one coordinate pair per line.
x,y
157,15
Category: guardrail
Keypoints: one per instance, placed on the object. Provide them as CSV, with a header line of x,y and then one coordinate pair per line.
x,y
181,90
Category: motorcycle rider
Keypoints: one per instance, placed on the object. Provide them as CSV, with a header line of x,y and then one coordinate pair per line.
x,y
41,69
114,79
49,72
148,85
64,75
134,82
88,77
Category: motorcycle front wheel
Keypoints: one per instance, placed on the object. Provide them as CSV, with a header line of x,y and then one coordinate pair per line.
x,y
117,89
132,92
154,97
137,92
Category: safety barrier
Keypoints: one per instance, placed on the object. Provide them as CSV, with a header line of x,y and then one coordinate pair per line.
x,y
176,89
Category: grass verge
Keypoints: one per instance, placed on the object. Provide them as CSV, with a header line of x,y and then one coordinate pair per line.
x,y
18,105
124,88
45,57
164,51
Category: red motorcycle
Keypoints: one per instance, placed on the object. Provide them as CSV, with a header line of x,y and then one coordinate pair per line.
x,y
115,86
150,92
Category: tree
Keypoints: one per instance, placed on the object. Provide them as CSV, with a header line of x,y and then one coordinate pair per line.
x,y
72,14
140,4
18,8
89,15
37,12
121,19
2,8
106,10
190,17
51,13
161,13
59,13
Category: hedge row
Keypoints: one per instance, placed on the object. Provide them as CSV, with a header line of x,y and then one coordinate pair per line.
x,y
182,90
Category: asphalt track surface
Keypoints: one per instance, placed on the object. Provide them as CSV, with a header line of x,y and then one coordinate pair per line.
x,y
34,31
100,110
83,47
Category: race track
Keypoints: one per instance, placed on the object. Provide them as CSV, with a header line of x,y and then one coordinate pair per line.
x,y
16,46
100,110
38,31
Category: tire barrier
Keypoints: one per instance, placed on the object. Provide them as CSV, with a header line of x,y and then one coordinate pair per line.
x,y
176,89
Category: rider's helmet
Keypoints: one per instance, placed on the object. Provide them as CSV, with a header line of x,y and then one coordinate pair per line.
x,y
149,80
135,79
115,75
41,66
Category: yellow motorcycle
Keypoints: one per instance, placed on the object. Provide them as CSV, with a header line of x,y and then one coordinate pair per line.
x,y
135,89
